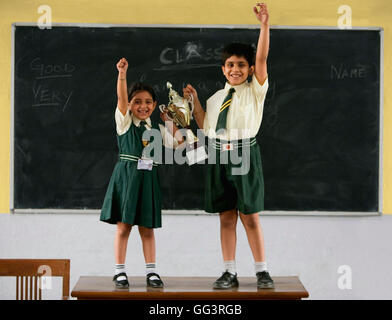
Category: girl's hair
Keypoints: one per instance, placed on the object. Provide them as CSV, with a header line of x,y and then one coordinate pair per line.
x,y
239,50
138,86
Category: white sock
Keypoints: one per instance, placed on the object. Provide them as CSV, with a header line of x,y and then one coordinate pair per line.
x,y
260,266
151,268
118,269
229,266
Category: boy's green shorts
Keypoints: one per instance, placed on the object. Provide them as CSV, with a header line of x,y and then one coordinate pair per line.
x,y
227,186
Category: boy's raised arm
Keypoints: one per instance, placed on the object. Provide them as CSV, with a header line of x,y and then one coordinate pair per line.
x,y
263,43
122,93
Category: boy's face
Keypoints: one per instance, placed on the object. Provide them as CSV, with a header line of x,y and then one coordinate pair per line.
x,y
142,105
237,70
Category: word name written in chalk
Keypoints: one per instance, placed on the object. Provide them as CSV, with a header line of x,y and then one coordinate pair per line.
x,y
345,72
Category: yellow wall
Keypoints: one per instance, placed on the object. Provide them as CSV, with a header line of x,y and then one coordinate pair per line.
x,y
282,12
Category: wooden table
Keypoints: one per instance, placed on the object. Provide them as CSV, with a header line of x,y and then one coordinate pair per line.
x,y
187,288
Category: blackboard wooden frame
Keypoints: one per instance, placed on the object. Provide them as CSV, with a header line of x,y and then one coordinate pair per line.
x,y
199,212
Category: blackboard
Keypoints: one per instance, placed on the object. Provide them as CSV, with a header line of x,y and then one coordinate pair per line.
x,y
319,139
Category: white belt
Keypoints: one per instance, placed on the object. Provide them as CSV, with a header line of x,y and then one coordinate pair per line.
x,y
235,144
128,157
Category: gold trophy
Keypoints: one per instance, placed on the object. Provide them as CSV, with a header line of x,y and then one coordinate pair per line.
x,y
180,111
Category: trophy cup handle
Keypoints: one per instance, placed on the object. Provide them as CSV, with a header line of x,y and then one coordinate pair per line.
x,y
162,108
191,102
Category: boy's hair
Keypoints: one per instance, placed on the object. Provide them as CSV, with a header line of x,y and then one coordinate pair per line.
x,y
240,50
139,86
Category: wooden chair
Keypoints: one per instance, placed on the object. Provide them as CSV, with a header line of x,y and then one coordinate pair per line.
x,y
28,274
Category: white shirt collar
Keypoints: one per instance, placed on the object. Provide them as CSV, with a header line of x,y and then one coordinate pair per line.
x,y
238,88
136,121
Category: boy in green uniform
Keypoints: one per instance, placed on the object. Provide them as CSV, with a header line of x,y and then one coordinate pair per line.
x,y
232,119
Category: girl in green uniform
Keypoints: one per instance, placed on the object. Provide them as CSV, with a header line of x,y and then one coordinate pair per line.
x,y
133,195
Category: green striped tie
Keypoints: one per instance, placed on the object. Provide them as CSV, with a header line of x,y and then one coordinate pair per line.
x,y
224,109
142,127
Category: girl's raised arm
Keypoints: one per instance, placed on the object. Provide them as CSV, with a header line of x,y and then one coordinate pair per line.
x,y
122,93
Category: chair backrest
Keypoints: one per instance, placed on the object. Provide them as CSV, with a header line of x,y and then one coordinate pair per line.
x,y
29,273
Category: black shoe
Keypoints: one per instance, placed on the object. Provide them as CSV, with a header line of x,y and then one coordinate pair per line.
x,y
264,280
226,281
123,284
156,283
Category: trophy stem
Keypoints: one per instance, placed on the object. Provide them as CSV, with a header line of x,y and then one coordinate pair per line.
x,y
191,139
195,153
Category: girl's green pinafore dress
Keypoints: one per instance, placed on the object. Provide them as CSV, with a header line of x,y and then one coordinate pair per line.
x,y
133,196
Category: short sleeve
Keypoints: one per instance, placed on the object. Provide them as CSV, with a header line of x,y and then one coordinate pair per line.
x,y
206,125
168,140
209,115
123,123
259,90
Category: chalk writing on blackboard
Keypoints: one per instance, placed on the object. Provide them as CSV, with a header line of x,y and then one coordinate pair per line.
x,y
189,56
46,96
48,89
347,72
45,71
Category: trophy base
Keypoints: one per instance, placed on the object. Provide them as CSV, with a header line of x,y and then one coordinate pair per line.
x,y
196,154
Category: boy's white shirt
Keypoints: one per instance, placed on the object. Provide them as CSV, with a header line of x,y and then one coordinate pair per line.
x,y
123,123
245,111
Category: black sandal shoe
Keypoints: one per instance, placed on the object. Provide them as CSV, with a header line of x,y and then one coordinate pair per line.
x,y
123,284
156,283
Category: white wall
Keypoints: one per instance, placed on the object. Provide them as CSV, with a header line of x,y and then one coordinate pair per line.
x,y
312,248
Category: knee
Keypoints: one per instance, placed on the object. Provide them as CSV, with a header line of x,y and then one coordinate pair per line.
x,y
123,229
250,221
146,233
228,219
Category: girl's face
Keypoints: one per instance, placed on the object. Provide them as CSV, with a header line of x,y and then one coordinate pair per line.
x,y
142,105
237,70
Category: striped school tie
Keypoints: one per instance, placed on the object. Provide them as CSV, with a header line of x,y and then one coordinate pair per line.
x,y
142,127
224,109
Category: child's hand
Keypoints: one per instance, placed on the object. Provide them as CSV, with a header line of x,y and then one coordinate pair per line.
x,y
122,66
189,90
261,15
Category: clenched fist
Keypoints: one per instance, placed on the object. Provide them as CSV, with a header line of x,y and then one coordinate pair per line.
x,y
122,66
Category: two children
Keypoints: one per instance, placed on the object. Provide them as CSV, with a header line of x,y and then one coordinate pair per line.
x,y
232,118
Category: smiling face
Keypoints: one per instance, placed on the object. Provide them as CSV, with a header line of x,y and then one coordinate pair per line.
x,y
142,105
237,70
